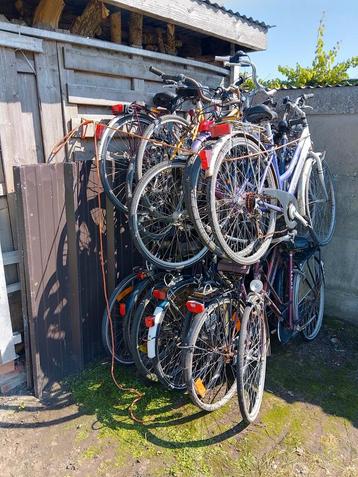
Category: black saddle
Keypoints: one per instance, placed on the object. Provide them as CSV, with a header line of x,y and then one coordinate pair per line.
x,y
258,113
165,99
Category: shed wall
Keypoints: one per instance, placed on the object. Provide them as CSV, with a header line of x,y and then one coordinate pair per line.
x,y
334,128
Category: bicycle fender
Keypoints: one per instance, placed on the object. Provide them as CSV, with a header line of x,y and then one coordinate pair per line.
x,y
158,314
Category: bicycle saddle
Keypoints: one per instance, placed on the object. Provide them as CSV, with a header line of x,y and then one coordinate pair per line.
x,y
258,113
164,99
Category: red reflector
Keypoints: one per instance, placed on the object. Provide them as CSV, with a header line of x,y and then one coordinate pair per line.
x,y
159,294
122,309
218,130
118,108
195,306
149,321
205,158
205,125
100,128
141,275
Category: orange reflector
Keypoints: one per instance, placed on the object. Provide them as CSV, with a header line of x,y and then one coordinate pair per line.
x,y
100,128
118,108
218,130
124,293
237,321
122,309
149,321
205,125
159,294
199,387
205,158
194,306
143,348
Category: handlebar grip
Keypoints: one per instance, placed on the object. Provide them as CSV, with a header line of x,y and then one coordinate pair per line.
x,y
155,71
175,78
307,96
222,59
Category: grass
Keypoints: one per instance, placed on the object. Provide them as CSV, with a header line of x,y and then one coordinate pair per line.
x,y
307,424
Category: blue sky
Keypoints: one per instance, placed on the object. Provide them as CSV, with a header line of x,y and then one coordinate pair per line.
x,y
294,37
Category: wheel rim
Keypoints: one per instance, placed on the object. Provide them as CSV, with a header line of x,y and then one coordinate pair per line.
x,y
243,224
254,362
213,355
321,206
161,224
310,297
119,151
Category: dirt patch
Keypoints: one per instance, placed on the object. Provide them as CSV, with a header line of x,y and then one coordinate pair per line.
x,y
308,424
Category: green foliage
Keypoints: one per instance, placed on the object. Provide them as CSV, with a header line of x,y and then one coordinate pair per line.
x,y
324,70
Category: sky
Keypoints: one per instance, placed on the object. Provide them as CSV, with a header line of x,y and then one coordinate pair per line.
x,y
294,37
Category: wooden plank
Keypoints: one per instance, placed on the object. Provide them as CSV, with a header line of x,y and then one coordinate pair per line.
x,y
91,61
30,118
10,258
25,62
13,287
83,94
24,288
109,46
20,42
7,348
200,17
49,91
12,132
69,111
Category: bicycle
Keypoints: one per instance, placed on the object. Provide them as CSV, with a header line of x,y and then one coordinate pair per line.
x,y
247,186
296,308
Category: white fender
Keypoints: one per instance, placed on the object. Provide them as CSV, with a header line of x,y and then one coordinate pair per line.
x,y
158,315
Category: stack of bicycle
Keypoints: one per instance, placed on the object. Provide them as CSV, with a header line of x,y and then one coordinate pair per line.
x,y
228,205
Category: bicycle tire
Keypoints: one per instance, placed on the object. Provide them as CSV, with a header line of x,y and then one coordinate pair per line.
x,y
196,203
253,249
170,336
184,248
146,158
124,356
137,121
319,208
197,384
309,308
248,410
139,333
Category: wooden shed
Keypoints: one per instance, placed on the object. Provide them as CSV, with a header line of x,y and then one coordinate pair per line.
x,y
61,62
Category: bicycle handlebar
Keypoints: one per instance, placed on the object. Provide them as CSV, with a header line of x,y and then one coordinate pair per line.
x,y
190,82
165,77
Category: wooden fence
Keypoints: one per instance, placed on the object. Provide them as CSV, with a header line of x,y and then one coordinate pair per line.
x,y
49,82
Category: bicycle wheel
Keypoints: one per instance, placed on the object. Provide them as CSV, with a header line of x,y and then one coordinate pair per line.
x,y
211,348
197,204
170,337
320,202
139,337
160,225
165,138
117,150
241,218
251,364
309,297
117,308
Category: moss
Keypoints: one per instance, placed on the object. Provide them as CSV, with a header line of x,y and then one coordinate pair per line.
x,y
180,440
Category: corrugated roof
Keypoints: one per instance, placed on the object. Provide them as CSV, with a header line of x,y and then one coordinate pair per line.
x,y
235,14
